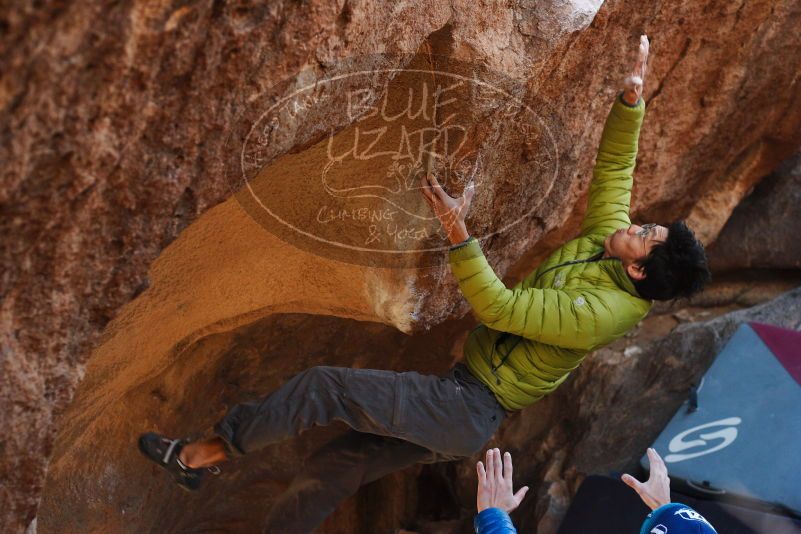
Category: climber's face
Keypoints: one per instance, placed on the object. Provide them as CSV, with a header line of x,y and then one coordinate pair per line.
x,y
633,244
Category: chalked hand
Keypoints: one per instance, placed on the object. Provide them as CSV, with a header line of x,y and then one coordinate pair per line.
x,y
450,211
633,83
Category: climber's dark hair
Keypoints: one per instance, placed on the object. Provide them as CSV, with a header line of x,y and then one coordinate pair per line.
x,y
675,268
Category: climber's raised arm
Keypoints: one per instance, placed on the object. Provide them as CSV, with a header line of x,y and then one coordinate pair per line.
x,y
612,176
633,84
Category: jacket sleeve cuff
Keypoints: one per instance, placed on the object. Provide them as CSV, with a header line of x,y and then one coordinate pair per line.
x,y
623,100
461,244
493,521
627,112
465,250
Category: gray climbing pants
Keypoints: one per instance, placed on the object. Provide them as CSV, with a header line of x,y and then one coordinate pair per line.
x,y
398,419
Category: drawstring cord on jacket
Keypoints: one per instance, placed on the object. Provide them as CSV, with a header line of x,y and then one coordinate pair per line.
x,y
504,335
498,341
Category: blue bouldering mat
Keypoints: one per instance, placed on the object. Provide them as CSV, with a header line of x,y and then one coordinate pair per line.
x,y
741,438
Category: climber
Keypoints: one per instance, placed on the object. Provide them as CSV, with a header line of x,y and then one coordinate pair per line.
x,y
589,292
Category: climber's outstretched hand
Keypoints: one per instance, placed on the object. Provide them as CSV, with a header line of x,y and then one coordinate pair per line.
x,y
634,81
450,211
656,491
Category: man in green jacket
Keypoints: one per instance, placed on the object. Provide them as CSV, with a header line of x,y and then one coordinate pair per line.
x,y
589,292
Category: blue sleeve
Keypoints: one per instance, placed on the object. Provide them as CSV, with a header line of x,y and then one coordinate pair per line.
x,y
494,521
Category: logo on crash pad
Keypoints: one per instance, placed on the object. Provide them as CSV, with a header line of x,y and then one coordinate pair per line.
x,y
708,438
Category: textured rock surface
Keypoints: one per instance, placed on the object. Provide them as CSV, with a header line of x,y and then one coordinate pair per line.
x,y
115,119
762,233
191,393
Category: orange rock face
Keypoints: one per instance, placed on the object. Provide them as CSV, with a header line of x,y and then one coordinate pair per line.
x,y
136,237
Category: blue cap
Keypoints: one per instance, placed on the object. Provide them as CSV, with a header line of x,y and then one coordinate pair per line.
x,y
676,518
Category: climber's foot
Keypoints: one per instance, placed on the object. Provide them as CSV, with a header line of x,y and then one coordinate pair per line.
x,y
164,452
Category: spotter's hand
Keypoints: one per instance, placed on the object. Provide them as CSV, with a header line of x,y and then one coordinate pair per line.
x,y
495,488
655,492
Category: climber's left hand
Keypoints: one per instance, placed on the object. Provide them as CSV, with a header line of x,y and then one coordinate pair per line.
x,y
633,84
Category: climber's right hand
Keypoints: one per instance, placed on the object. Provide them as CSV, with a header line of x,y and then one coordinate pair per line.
x,y
450,211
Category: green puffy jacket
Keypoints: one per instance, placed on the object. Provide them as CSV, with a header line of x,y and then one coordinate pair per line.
x,y
533,335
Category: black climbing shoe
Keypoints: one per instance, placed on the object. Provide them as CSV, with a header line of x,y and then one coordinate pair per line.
x,y
164,452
